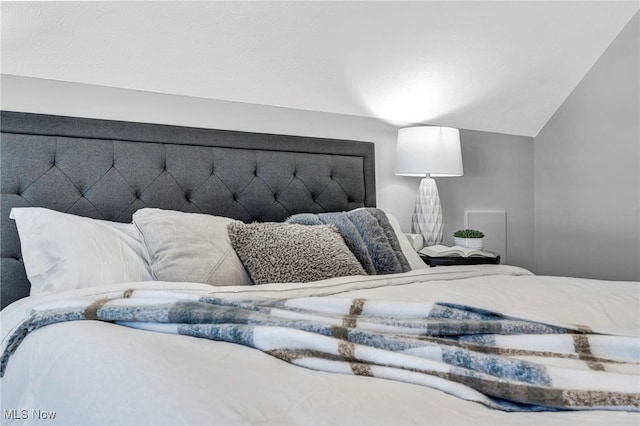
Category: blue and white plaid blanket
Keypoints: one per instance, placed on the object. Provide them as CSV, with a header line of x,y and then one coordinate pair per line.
x,y
502,362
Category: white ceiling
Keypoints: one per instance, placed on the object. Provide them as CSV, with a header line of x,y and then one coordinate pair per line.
x,y
494,66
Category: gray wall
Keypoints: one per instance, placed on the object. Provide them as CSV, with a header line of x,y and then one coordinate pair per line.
x,y
498,175
498,172
587,172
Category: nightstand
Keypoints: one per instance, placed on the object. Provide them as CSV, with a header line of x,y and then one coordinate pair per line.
x,y
455,260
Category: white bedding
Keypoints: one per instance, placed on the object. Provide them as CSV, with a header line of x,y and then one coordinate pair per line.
x,y
89,372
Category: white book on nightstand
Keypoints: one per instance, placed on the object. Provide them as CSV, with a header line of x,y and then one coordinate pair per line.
x,y
455,251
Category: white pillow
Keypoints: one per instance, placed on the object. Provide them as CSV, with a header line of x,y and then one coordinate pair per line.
x,y
407,249
64,252
190,247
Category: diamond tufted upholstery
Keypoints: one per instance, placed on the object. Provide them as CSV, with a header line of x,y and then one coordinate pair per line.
x,y
108,170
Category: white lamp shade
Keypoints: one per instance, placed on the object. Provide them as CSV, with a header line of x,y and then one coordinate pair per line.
x,y
429,151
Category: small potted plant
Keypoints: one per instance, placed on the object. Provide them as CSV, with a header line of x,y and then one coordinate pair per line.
x,y
469,238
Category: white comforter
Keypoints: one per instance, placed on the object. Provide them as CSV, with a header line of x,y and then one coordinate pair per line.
x,y
88,372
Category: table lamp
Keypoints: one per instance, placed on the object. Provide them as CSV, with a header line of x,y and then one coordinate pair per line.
x,y
428,151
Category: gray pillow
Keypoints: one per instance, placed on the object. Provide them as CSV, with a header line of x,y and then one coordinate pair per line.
x,y
285,253
368,234
190,247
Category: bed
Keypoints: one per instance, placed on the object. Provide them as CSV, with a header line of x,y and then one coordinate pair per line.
x,y
136,290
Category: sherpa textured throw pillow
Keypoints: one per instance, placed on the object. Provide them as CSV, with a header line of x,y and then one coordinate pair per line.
x,y
285,253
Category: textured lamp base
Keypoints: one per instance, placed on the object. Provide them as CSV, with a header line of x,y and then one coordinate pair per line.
x,y
427,214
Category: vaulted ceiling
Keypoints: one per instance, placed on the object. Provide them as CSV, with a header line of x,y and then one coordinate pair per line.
x,y
502,67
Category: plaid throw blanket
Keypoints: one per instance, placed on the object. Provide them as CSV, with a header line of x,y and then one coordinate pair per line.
x,y
478,355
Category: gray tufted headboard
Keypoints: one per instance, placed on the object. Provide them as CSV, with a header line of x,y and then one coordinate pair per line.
x,y
109,169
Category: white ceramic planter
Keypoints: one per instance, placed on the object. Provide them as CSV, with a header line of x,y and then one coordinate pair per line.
x,y
474,243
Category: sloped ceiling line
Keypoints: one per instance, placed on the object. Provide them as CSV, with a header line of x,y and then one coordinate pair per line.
x,y
501,67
